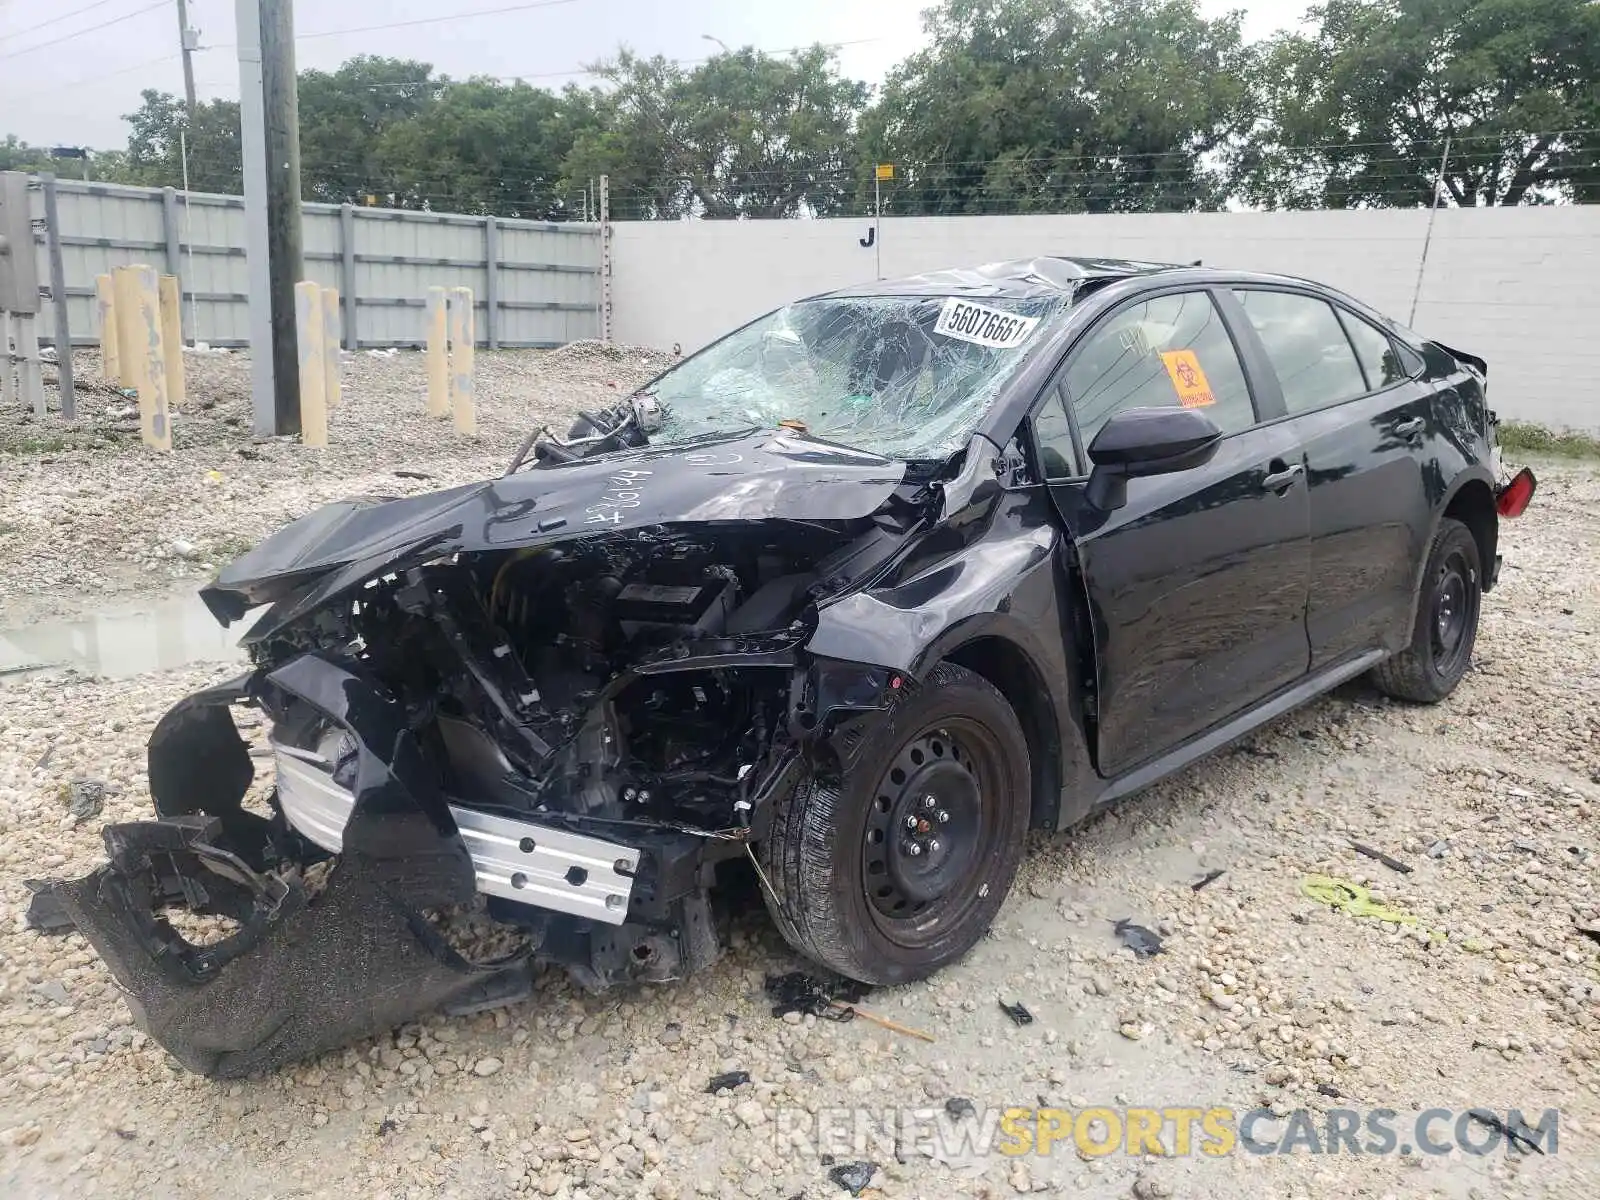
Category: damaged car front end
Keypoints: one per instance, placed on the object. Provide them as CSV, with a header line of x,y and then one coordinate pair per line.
x,y
560,698
857,595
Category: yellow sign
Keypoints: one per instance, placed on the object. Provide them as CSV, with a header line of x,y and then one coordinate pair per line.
x,y
885,170
1188,380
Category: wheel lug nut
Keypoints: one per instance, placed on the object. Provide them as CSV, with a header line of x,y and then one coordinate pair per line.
x,y
929,801
913,849
933,846
911,822
943,817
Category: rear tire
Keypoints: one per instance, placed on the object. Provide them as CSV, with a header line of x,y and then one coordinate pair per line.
x,y
1446,629
947,772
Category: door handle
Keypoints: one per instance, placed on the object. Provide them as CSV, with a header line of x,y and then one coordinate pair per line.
x,y
1281,481
1411,430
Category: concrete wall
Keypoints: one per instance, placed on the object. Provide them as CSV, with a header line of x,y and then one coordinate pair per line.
x,y
546,275
1520,287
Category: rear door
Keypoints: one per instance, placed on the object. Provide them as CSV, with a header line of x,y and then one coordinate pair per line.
x,y
1197,586
1365,425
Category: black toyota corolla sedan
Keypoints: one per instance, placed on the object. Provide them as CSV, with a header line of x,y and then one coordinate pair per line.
x,y
856,595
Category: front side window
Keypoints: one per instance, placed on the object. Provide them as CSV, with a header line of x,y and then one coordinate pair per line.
x,y
1168,351
1053,435
907,377
1307,348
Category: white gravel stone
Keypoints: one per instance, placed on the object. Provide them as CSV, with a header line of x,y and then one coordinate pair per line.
x,y
1514,754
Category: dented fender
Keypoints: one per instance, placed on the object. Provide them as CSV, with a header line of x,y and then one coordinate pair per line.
x,y
999,579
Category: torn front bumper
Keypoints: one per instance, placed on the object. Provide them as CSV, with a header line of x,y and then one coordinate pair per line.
x,y
300,976
304,972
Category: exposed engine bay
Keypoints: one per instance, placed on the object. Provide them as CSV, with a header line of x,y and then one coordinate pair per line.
x,y
631,690
569,737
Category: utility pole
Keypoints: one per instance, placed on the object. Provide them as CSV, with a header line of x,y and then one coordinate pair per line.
x,y
269,123
187,43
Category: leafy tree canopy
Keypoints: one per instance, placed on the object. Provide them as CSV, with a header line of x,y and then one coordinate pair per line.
x,y
1012,106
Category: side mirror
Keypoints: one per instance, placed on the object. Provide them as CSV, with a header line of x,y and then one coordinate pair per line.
x,y
1146,441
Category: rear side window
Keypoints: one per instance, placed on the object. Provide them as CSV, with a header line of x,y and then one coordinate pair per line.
x,y
1307,348
1160,353
1379,359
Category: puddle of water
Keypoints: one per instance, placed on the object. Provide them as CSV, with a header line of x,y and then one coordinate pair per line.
x,y
173,633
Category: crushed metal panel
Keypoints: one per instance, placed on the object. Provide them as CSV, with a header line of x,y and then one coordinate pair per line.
x,y
550,868
517,860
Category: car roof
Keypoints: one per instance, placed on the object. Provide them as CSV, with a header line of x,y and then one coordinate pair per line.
x,y
1016,279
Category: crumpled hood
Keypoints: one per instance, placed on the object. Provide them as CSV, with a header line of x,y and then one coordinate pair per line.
x,y
763,475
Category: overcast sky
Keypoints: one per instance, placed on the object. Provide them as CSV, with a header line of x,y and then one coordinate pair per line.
x,y
75,91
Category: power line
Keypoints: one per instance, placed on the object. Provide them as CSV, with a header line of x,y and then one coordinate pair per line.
x,y
15,33
99,76
482,12
1087,181
443,19
67,37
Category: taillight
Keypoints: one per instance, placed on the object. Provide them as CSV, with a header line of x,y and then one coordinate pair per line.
x,y
1514,497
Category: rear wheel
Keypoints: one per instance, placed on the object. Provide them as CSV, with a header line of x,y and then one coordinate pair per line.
x,y
901,869
1446,630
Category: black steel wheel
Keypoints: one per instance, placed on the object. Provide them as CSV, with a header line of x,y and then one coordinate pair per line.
x,y
1446,627
889,874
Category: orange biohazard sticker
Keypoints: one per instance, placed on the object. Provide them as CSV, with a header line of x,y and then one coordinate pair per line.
x,y
1188,380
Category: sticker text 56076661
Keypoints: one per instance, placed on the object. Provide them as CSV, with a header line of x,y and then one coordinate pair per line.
x,y
984,325
626,488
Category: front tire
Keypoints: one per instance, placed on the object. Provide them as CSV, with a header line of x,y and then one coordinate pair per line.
x,y
900,868
1446,629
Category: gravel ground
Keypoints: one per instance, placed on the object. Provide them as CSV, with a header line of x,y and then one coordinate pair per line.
x,y
90,519
1262,996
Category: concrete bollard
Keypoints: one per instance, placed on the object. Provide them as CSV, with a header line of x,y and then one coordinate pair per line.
x,y
172,337
125,311
309,334
105,317
463,360
142,351
438,341
333,387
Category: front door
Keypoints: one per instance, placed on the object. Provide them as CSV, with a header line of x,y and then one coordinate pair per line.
x,y
1197,587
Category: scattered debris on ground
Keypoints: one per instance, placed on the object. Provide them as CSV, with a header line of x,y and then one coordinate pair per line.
x,y
1388,860
1145,943
1017,1012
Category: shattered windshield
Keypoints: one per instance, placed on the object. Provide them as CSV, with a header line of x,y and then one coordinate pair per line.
x,y
902,376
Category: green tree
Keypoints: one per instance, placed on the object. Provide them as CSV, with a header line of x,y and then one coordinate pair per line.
x,y
745,134
487,147
17,155
1358,113
345,115
1062,106
154,156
